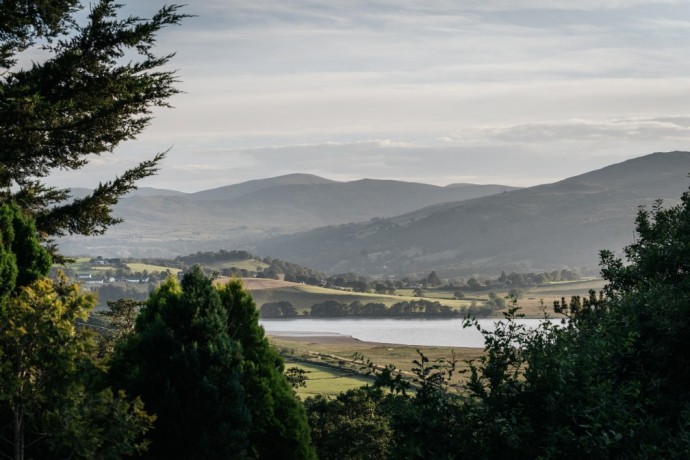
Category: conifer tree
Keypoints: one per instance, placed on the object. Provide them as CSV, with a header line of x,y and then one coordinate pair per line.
x,y
94,89
200,361
279,427
183,364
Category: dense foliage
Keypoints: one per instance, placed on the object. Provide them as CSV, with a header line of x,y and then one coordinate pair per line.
x,y
280,309
54,402
200,361
611,382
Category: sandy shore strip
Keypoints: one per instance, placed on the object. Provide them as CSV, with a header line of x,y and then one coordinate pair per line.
x,y
324,338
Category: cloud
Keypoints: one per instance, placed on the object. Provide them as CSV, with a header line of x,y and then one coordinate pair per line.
x,y
614,131
439,91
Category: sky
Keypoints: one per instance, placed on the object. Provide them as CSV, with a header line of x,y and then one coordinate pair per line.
x,y
478,91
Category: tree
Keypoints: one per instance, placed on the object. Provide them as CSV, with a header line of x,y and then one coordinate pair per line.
x,y
297,377
53,400
50,387
353,426
95,89
279,427
120,319
199,360
280,309
495,301
474,284
182,363
22,259
612,381
433,280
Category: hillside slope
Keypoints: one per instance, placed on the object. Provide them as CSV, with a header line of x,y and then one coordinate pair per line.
x,y
543,227
236,216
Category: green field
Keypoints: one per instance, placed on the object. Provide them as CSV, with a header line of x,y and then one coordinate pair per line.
x,y
304,296
82,265
341,353
139,267
251,265
326,380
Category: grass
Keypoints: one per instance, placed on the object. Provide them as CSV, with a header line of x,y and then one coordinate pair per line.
x,y
340,354
247,264
326,380
82,265
304,296
139,267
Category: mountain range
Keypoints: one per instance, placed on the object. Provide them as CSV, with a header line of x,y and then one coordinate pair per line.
x,y
164,223
392,227
565,223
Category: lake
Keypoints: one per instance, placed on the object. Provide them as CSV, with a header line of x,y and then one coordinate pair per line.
x,y
422,332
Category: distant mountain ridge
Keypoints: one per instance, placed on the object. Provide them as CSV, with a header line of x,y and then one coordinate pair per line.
x,y
231,192
561,224
169,223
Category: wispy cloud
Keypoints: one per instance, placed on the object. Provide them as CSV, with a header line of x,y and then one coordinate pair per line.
x,y
497,90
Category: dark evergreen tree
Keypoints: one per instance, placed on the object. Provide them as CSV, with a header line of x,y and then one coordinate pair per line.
x,y
355,425
279,427
22,259
433,280
187,369
94,89
200,361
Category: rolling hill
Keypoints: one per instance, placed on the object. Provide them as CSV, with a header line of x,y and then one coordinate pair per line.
x,y
561,224
169,223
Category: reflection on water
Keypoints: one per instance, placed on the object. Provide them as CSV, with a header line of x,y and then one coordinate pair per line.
x,y
430,332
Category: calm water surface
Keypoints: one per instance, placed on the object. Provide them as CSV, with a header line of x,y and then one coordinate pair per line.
x,y
430,332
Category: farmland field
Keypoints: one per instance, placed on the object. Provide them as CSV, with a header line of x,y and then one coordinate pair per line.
x,y
304,296
340,350
326,380
139,267
247,264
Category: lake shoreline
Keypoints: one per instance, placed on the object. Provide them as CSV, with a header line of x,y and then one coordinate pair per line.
x,y
408,332
324,339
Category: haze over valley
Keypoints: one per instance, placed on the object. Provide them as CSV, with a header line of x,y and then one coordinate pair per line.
x,y
380,227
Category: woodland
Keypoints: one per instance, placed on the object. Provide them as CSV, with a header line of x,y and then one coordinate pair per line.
x,y
190,374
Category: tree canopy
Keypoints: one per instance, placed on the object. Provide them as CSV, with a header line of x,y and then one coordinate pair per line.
x,y
53,398
610,382
200,361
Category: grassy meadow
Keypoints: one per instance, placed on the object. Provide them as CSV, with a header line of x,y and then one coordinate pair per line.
x,y
83,265
342,353
304,296
326,380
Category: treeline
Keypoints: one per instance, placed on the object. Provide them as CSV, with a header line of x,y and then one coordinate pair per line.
x,y
415,308
292,272
406,309
532,279
201,258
